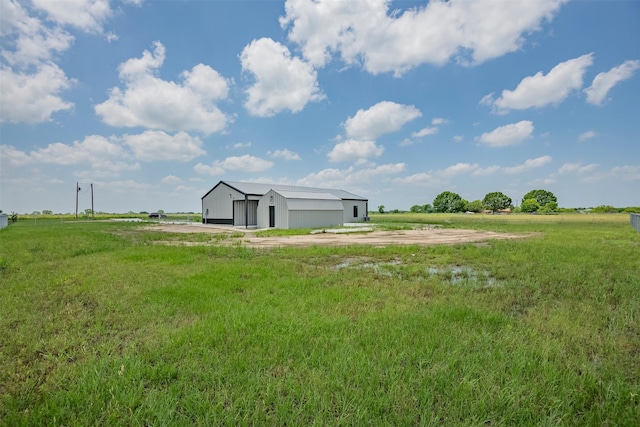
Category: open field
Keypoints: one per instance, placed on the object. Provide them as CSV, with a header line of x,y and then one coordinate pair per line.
x,y
102,323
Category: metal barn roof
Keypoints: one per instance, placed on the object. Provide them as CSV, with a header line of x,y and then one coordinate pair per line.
x,y
259,189
306,200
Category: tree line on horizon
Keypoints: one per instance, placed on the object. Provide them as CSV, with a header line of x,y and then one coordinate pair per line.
x,y
535,201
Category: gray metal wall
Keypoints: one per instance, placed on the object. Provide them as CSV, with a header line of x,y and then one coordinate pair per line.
x,y
239,213
314,219
220,205
348,210
635,221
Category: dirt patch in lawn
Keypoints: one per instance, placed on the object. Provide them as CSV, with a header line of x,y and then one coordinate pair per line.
x,y
426,236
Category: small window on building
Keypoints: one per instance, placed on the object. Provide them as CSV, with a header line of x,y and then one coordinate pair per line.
x,y
355,212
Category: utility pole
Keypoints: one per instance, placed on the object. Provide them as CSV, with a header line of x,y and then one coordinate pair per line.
x,y
77,191
92,217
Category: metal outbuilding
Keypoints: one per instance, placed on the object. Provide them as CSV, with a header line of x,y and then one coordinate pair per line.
x,y
4,220
280,206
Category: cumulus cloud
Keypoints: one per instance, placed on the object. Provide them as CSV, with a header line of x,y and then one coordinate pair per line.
x,y
246,163
171,179
93,149
150,146
151,102
587,135
86,15
528,165
32,97
541,90
382,118
30,83
425,132
285,154
352,150
576,168
460,168
458,138
212,169
604,82
10,155
437,121
382,41
351,177
282,82
626,173
506,135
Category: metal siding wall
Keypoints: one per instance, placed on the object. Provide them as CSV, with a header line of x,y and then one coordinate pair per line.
x,y
635,221
348,210
282,210
219,203
238,212
280,204
314,219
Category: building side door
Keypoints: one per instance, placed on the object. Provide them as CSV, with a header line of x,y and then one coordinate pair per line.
x,y
272,216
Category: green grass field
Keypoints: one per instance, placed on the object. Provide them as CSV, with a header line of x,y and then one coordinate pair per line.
x,y
100,326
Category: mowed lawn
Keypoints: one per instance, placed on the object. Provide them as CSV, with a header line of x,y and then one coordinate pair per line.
x,y
107,324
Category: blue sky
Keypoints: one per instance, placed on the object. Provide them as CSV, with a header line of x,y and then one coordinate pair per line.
x,y
154,102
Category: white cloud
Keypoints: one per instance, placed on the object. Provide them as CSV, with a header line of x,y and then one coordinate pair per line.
x,y
285,154
87,15
422,178
212,170
626,173
34,42
506,135
368,33
30,84
157,145
282,82
406,142
171,179
437,121
242,145
587,135
576,168
458,138
425,132
32,98
151,102
383,117
93,149
351,177
528,165
244,163
604,82
460,168
9,155
541,90
351,150
489,170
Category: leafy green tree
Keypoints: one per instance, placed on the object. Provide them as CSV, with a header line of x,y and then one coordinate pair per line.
x,y
475,206
448,202
530,205
416,209
543,197
381,208
46,212
549,207
427,208
496,201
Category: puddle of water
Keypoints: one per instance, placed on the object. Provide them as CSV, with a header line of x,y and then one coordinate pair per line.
x,y
455,275
460,275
